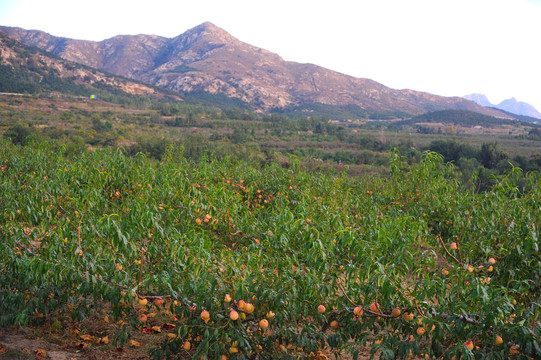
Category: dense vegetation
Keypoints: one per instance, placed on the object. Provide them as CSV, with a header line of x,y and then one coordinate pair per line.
x,y
409,263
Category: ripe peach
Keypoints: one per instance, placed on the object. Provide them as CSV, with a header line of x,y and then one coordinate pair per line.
x,y
498,341
186,346
374,307
205,315
408,316
492,261
241,304
143,318
454,246
143,301
233,315
469,344
249,308
227,298
396,312
334,324
490,268
263,323
445,272
420,331
321,309
358,311
158,301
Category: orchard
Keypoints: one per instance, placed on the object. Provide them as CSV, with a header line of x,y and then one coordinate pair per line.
x,y
258,261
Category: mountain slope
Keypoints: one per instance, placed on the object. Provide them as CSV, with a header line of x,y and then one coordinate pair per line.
x,y
26,69
207,58
510,105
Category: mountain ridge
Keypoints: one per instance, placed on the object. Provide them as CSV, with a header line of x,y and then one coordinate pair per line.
x,y
209,59
28,69
511,105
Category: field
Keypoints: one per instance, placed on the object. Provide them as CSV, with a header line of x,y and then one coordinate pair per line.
x,y
235,259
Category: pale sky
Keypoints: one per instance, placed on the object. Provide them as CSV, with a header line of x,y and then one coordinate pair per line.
x,y
445,47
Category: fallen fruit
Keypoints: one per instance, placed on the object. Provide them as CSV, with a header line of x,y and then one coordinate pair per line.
x,y
143,318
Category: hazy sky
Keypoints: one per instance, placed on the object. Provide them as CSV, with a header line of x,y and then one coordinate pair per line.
x,y
446,47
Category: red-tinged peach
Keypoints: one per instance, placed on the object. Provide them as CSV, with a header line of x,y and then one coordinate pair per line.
x,y
490,268
187,345
227,298
492,261
321,309
445,272
158,301
233,315
205,315
408,316
241,304
334,324
396,312
454,246
469,344
358,311
143,318
420,331
498,340
374,307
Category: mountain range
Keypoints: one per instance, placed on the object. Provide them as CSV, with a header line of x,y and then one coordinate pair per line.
x,y
510,105
208,59
27,69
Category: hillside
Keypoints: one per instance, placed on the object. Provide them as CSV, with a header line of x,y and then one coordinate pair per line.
x,y
208,59
26,69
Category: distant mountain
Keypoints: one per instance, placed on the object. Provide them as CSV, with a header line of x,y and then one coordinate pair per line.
x,y
479,99
510,105
208,59
27,69
519,107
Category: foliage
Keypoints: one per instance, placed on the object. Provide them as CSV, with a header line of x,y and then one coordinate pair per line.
x,y
103,230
